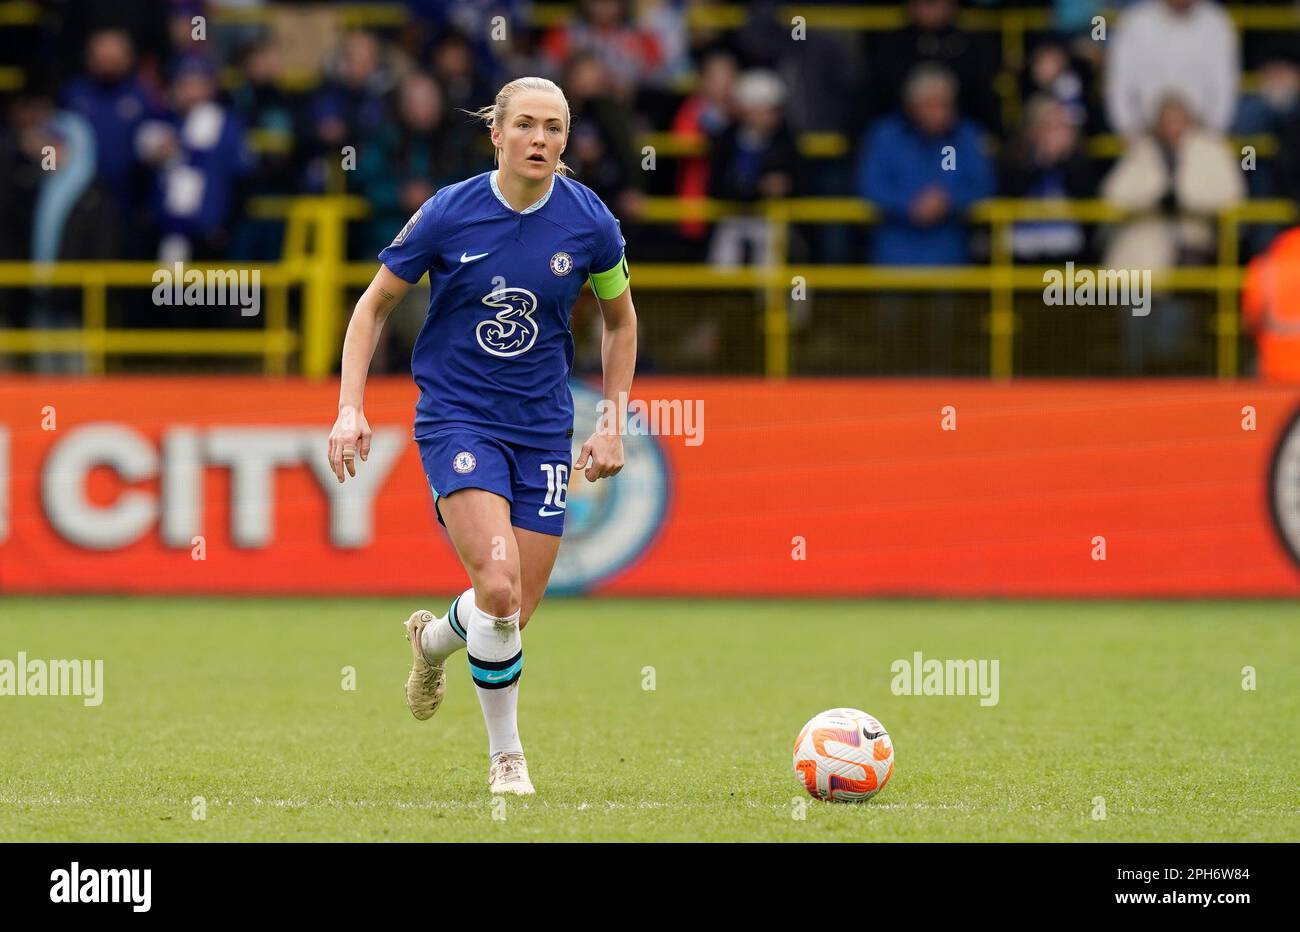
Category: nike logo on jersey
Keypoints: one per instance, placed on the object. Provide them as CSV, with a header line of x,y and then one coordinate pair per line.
x,y
547,513
464,258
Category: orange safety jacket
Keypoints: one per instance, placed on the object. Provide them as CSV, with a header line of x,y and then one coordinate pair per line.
x,y
1271,308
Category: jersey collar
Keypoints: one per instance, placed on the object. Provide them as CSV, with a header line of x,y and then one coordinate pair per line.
x,y
536,205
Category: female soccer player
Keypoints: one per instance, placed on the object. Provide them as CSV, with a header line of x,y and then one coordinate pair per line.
x,y
507,253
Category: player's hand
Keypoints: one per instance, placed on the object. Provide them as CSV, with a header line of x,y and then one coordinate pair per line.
x,y
350,437
602,455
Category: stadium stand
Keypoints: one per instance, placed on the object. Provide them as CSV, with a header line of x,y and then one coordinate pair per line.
x,y
764,160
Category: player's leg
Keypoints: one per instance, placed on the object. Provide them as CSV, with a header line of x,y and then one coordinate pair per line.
x,y
537,554
453,461
478,522
537,511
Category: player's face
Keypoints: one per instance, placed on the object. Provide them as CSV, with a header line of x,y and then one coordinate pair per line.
x,y
534,134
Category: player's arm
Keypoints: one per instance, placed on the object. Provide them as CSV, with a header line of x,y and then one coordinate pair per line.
x,y
351,433
602,454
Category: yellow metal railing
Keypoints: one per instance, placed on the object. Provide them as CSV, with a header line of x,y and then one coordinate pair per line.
x,y
313,259
95,340
1001,279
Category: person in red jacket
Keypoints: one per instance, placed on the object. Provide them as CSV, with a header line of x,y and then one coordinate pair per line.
x,y
704,115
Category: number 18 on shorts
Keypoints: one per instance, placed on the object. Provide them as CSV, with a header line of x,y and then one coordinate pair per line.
x,y
534,481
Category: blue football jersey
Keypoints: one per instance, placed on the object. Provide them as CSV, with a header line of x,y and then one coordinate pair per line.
x,y
495,352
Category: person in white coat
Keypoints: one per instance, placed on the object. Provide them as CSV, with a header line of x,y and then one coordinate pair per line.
x,y
1174,181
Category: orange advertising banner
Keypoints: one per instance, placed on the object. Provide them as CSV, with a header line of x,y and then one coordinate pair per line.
x,y
732,487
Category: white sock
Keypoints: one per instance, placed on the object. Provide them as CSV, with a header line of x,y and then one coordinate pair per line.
x,y
496,659
445,636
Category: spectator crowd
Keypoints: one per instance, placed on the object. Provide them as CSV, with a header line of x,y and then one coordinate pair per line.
x,y
165,117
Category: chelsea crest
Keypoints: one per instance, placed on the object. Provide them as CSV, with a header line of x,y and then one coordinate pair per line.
x,y
464,462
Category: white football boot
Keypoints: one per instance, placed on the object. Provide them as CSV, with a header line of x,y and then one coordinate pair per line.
x,y
509,774
427,681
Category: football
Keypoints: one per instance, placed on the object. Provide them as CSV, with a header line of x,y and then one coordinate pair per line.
x,y
843,755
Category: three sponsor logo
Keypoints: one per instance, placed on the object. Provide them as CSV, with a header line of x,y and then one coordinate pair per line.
x,y
511,331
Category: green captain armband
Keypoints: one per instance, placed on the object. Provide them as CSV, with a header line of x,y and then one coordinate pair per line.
x,y
613,283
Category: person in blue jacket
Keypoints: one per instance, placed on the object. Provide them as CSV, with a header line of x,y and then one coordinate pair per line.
x,y
922,168
198,154
110,97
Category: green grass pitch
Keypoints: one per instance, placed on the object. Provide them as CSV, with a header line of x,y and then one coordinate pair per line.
x,y
241,702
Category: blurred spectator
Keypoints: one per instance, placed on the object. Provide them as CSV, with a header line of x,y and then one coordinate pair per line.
x,y
1285,169
1276,98
1048,162
114,102
665,20
601,148
403,165
464,86
1271,308
1159,47
184,36
1184,174
824,74
72,24
704,114
490,40
273,119
1053,72
1277,90
923,168
754,157
1075,16
269,113
631,54
823,71
351,107
51,209
1176,178
198,155
931,35
1272,109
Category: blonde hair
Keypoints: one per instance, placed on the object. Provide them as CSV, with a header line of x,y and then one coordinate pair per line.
x,y
494,114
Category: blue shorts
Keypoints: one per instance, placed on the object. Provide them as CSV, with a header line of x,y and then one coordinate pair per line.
x,y
534,482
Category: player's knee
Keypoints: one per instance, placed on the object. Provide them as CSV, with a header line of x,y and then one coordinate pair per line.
x,y
497,594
